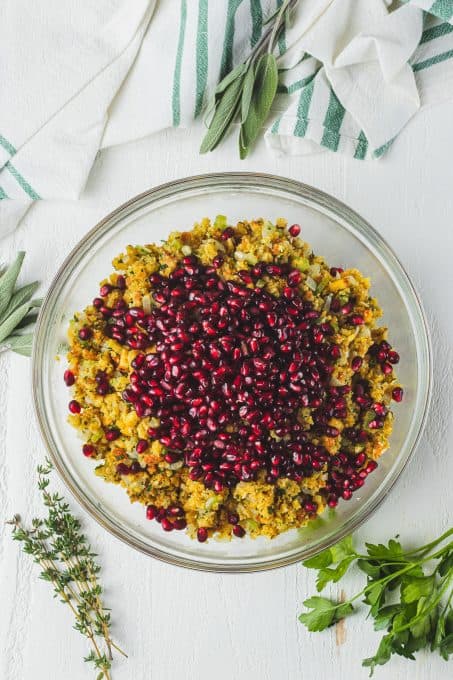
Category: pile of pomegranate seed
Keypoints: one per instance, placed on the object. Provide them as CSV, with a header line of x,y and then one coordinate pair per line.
x,y
385,356
233,367
240,381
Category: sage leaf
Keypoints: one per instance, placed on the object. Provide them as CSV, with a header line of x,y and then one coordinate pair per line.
x,y
264,91
247,93
26,323
20,296
230,77
224,114
8,326
8,281
21,344
221,87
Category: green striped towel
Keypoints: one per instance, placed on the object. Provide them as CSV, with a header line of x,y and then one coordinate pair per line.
x,y
352,74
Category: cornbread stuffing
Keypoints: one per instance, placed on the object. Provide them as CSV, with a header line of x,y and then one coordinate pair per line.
x,y
231,381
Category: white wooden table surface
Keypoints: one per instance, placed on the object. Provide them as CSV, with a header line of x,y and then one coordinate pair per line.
x,y
184,625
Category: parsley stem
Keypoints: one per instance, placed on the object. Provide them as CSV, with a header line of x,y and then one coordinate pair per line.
x,y
429,546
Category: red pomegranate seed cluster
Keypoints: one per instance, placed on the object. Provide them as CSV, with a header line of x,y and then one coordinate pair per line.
x,y
240,381
169,518
233,367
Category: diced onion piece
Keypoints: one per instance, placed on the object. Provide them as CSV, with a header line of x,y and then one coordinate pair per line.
x,y
176,466
213,503
245,257
328,302
311,283
314,270
268,229
146,304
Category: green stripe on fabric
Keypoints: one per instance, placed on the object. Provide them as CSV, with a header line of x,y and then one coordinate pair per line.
x,y
298,85
202,55
442,9
7,146
432,61
377,153
23,182
227,53
276,125
2,194
362,146
436,32
257,21
332,123
176,96
282,37
302,110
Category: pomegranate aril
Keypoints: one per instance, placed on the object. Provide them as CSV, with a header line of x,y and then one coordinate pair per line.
x,y
294,230
179,524
371,466
142,446
386,368
227,233
356,364
123,469
357,320
69,378
238,530
74,406
151,512
88,450
112,434
85,333
397,394
202,534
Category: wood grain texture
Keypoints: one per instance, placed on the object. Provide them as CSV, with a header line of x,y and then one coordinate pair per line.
x,y
182,625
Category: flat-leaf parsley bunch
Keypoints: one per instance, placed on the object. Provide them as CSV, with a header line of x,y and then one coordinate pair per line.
x,y
409,595
247,92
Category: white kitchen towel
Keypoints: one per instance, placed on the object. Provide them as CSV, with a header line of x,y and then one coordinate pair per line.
x,y
80,76
62,64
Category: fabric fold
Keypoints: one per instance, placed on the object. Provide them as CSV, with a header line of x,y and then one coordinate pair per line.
x,y
82,76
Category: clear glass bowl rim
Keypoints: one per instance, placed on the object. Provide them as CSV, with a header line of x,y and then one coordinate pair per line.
x,y
231,181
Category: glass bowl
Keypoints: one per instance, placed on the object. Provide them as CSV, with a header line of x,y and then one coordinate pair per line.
x,y
335,231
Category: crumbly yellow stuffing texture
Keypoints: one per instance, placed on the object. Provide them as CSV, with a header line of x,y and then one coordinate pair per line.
x,y
264,509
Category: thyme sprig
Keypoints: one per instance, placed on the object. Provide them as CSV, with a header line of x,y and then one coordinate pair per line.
x,y
67,561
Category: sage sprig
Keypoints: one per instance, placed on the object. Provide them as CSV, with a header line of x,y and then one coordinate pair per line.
x,y
18,310
247,92
66,559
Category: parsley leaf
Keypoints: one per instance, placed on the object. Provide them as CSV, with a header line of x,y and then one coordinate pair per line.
x,y
324,613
